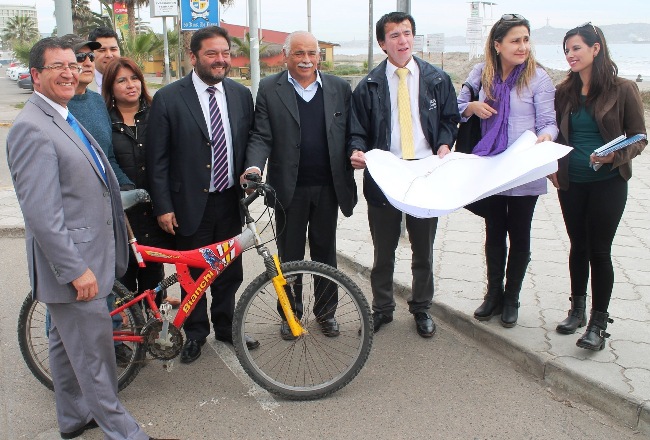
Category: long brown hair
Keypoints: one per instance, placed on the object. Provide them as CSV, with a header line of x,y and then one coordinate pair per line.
x,y
603,71
492,60
110,75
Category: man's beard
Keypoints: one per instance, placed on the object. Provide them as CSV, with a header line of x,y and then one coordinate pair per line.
x,y
205,73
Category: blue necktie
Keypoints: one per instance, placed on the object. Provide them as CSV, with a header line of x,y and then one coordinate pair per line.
x,y
219,149
77,129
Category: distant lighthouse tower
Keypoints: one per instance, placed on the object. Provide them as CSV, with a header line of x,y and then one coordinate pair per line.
x,y
478,26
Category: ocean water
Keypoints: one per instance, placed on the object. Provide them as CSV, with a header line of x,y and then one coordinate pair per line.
x,y
631,59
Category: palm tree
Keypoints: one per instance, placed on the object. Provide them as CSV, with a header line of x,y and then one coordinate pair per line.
x,y
20,29
130,12
81,14
140,46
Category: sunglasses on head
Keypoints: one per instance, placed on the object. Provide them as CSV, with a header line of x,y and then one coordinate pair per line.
x,y
81,56
512,17
588,24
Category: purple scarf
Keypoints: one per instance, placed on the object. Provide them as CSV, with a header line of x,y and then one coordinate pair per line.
x,y
495,128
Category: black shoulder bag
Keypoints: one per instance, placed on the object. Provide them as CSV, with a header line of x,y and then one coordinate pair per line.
x,y
469,133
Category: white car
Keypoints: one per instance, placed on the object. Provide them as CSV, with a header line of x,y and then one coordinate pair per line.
x,y
14,72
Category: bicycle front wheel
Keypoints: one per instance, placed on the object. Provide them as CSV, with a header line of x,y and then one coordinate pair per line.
x,y
315,364
34,344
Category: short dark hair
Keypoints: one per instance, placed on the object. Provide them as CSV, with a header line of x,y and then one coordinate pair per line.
x,y
102,32
392,17
37,53
204,34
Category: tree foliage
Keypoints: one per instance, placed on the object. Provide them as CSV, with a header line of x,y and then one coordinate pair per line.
x,y
20,29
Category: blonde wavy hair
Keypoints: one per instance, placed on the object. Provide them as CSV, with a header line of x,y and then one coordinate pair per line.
x,y
492,61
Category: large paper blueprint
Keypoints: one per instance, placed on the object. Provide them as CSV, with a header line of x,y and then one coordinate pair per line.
x,y
434,187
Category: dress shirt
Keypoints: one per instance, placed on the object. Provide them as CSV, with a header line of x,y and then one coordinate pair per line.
x,y
99,79
204,98
422,148
308,92
63,111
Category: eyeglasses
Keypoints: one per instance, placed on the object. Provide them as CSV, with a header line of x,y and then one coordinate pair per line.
x,y
591,25
74,68
512,17
81,56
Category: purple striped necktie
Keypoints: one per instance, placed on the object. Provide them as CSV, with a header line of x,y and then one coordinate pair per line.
x,y
219,150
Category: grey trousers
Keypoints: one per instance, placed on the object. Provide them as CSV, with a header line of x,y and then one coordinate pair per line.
x,y
82,360
385,227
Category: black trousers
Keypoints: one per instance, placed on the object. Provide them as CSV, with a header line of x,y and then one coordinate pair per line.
x,y
509,217
312,215
220,222
592,212
385,228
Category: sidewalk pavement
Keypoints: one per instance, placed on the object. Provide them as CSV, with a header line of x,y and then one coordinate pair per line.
x,y
615,380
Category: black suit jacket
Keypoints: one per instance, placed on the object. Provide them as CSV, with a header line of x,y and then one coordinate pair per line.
x,y
276,137
179,154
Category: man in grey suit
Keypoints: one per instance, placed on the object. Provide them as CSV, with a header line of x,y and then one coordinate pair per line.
x,y
76,243
301,127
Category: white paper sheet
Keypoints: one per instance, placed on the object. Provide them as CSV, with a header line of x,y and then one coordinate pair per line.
x,y
434,187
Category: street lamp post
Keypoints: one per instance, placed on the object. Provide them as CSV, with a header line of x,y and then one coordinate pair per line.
x,y
404,6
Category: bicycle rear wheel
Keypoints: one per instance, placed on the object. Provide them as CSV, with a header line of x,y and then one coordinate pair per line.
x,y
314,365
34,345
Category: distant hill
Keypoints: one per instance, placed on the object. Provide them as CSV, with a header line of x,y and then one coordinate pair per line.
x,y
615,33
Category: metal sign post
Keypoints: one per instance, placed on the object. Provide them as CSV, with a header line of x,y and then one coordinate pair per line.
x,y
164,9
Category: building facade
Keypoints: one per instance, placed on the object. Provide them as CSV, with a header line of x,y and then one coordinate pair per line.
x,y
8,12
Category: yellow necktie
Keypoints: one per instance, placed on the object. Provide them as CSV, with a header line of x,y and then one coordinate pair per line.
x,y
404,114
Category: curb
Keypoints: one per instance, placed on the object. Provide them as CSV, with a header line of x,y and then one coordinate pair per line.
x,y
628,410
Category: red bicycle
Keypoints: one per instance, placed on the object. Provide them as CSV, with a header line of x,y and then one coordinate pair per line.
x,y
312,365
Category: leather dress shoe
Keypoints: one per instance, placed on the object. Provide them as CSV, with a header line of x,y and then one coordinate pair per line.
x,y
77,432
251,343
191,351
424,324
285,332
379,319
329,327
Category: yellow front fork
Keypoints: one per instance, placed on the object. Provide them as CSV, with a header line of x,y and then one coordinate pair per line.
x,y
279,282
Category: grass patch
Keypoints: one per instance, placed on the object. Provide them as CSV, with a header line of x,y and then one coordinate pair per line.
x,y
20,105
153,85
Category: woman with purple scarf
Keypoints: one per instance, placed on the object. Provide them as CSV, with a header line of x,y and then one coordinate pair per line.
x,y
514,95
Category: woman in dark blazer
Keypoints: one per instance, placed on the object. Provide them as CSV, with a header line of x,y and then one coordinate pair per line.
x,y
593,106
128,100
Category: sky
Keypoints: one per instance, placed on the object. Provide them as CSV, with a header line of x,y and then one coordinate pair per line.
x,y
345,20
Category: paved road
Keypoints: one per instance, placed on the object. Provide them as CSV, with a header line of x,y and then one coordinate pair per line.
x,y
447,387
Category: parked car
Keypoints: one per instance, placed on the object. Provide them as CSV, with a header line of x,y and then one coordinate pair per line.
x,y
17,71
25,82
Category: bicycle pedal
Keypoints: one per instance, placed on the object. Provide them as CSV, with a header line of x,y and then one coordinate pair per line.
x,y
169,365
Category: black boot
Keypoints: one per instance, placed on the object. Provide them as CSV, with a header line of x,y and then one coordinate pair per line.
x,y
594,337
495,260
577,316
515,273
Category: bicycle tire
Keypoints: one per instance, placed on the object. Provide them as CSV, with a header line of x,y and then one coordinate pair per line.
x,y
314,365
34,344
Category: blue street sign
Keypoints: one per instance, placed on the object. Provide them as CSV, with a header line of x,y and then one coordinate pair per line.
x,y
197,14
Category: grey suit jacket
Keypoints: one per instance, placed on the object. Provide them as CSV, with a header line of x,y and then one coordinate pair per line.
x,y
276,137
73,219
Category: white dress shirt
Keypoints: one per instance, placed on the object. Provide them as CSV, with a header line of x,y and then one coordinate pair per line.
x,y
422,147
204,98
